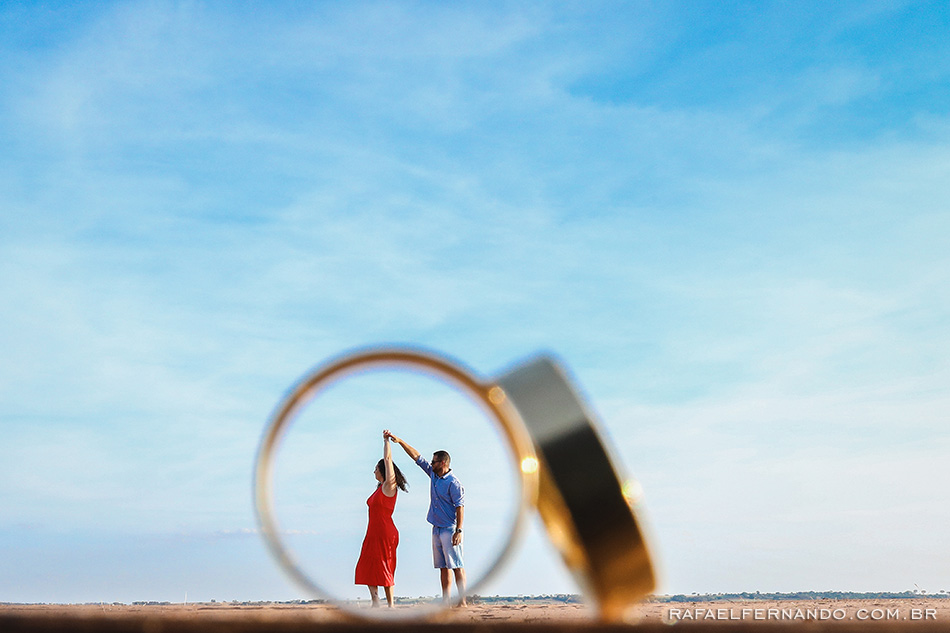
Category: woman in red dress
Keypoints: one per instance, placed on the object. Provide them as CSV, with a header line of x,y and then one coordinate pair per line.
x,y
377,563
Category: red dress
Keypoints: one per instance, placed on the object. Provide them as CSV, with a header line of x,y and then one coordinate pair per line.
x,y
377,562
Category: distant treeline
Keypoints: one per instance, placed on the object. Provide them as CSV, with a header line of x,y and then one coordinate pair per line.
x,y
799,595
566,598
573,598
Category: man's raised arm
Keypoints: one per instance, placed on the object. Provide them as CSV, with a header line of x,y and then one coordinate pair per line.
x,y
410,451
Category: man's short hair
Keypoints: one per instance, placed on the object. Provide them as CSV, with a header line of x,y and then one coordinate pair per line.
x,y
443,455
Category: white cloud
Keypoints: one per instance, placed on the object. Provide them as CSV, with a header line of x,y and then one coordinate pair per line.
x,y
205,203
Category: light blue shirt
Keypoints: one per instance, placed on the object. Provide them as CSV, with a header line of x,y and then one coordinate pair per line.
x,y
445,494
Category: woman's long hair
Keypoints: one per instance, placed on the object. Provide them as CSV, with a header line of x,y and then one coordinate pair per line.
x,y
401,482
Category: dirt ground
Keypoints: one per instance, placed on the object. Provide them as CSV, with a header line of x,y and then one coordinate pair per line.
x,y
827,612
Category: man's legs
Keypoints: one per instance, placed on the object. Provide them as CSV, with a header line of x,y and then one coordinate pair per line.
x,y
448,558
374,594
389,595
438,560
446,578
460,583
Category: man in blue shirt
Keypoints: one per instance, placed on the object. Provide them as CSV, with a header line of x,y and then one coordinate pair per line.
x,y
446,511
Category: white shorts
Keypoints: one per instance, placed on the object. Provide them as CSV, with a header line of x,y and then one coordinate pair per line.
x,y
444,554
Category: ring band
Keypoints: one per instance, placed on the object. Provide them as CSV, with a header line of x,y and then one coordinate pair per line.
x,y
564,470
485,394
581,499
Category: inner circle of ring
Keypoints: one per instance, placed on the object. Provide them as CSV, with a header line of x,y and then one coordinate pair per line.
x,y
486,394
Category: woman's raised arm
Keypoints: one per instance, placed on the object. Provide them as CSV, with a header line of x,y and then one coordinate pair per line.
x,y
389,477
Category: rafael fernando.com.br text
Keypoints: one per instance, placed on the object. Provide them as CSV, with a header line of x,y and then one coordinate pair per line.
x,y
674,614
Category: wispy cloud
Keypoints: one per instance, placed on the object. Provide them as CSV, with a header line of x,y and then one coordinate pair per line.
x,y
732,227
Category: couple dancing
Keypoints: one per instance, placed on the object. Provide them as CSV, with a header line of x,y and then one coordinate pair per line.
x,y
377,563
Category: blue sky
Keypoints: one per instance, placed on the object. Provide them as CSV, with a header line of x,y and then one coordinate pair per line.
x,y
730,220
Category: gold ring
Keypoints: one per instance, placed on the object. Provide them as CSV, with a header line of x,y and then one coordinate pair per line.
x,y
483,393
582,501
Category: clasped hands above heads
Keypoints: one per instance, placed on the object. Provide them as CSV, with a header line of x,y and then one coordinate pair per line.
x,y
565,470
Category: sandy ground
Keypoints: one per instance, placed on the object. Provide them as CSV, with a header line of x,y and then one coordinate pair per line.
x,y
827,612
